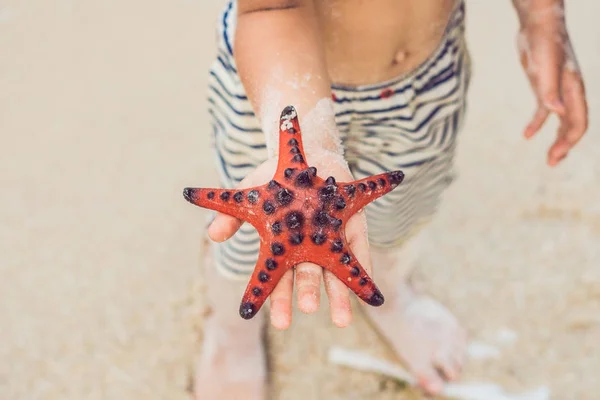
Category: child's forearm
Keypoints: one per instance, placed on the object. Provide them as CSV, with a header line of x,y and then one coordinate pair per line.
x,y
539,11
281,61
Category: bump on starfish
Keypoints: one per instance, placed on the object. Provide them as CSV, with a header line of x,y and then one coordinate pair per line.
x,y
300,218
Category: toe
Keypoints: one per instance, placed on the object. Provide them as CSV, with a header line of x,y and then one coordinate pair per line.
x,y
459,358
459,351
457,361
446,364
449,359
430,380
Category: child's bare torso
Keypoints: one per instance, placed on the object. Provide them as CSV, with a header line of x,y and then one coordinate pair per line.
x,y
370,41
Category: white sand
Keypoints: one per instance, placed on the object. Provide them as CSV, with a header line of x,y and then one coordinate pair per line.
x,y
103,122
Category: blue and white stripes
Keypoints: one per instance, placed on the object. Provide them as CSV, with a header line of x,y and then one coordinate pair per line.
x,y
409,123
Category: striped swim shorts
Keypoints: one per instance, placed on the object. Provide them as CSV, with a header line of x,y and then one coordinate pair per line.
x,y
408,123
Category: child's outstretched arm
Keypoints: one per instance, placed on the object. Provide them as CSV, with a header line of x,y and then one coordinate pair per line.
x,y
550,64
280,56
280,59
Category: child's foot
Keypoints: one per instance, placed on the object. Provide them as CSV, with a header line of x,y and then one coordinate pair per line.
x,y
231,365
232,360
424,334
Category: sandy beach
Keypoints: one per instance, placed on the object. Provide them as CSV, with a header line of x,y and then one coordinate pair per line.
x,y
103,123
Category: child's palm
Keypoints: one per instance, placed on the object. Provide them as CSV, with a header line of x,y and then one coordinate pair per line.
x,y
307,275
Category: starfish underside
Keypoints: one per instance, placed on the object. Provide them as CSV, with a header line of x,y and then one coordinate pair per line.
x,y
300,218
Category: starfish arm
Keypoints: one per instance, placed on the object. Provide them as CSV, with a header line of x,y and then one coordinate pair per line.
x,y
243,204
358,194
345,267
267,274
291,149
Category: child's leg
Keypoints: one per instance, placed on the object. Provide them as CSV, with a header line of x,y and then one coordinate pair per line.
x,y
424,334
232,359
422,331
411,124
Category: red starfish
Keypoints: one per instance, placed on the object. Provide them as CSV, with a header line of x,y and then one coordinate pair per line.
x,y
300,218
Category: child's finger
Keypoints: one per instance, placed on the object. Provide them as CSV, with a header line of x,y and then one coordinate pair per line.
x,y
308,284
577,111
223,227
281,301
537,121
337,291
356,235
560,147
339,300
574,124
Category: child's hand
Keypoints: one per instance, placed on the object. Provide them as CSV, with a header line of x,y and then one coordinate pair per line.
x,y
308,276
549,61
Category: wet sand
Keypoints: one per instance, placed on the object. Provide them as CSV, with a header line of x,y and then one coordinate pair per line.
x,y
103,122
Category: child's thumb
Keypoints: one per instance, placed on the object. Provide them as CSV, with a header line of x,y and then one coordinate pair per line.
x,y
223,227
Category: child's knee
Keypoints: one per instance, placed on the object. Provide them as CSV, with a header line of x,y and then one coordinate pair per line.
x,y
396,262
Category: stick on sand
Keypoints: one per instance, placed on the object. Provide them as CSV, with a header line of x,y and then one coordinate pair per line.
x,y
457,391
